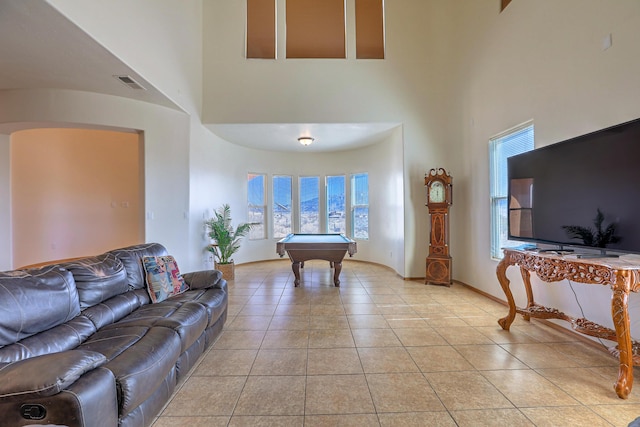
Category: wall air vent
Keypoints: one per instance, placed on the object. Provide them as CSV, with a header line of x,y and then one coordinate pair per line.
x,y
130,82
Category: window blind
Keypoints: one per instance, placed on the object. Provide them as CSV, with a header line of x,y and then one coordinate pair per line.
x,y
501,147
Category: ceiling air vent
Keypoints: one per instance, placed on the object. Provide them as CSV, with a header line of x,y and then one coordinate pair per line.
x,y
130,82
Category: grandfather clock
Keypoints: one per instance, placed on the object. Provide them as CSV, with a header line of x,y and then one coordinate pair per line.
x,y
439,188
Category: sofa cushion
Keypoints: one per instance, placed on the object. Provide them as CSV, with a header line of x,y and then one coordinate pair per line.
x,y
24,311
163,277
205,279
98,278
188,320
63,337
139,357
214,300
114,309
40,380
131,257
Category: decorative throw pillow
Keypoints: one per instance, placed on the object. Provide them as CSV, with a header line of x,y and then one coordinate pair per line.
x,y
163,277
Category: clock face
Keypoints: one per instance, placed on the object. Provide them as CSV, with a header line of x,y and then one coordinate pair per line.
x,y
436,192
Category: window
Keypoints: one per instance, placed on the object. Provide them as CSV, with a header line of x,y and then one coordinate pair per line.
x,y
282,206
315,29
503,4
338,209
507,144
256,205
336,205
369,29
309,204
360,206
261,29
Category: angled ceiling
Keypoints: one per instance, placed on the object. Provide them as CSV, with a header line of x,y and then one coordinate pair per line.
x,y
41,49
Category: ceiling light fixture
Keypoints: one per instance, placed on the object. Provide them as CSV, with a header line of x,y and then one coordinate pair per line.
x,y
305,140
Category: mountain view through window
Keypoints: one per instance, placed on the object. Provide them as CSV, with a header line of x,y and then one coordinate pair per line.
x,y
343,211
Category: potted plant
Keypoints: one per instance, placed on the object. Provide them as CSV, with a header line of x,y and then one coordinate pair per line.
x,y
226,240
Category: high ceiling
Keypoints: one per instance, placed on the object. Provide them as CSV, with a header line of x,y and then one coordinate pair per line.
x,y
40,48
284,136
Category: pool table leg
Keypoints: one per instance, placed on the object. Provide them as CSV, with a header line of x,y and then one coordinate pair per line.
x,y
295,266
336,273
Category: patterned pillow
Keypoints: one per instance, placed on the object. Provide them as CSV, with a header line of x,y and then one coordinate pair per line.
x,y
163,277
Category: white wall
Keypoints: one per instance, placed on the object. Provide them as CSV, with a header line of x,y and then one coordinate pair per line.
x,y
456,73
540,60
162,41
166,165
383,162
411,86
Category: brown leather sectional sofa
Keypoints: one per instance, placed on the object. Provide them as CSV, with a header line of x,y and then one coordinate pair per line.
x,y
82,345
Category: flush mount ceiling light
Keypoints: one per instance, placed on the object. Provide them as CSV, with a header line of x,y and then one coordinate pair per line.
x,y
305,140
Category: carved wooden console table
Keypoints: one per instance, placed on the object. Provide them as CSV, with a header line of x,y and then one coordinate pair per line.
x,y
620,275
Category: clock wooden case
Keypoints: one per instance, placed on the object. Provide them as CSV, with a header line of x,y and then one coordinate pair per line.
x,y
439,188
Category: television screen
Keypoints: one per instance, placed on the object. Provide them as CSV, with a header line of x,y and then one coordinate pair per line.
x,y
581,192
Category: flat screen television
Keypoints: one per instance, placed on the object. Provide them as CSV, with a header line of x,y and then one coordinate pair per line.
x,y
582,192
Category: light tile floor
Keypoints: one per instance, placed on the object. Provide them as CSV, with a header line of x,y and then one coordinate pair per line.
x,y
382,351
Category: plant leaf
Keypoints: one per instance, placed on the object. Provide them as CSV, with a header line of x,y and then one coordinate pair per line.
x,y
227,240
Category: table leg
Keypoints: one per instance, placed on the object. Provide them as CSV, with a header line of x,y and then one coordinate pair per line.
x,y
526,279
336,273
295,266
620,314
501,272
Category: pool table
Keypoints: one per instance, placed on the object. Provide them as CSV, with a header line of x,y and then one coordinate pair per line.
x,y
303,247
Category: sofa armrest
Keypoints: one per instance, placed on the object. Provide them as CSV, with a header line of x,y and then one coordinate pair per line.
x,y
48,374
205,279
